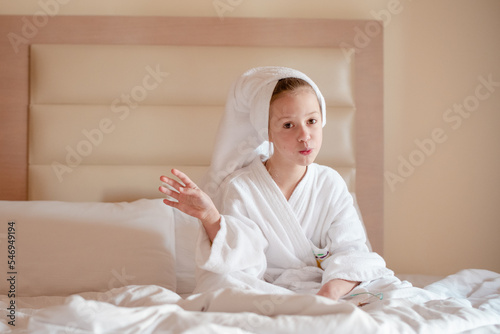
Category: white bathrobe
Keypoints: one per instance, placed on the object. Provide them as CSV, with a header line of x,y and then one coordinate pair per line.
x,y
296,245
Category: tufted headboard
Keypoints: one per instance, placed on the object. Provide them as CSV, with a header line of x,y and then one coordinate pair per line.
x,y
97,108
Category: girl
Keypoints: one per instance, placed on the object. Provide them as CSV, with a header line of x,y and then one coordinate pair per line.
x,y
278,222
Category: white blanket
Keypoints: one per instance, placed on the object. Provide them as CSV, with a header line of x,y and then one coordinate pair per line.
x,y
264,236
468,301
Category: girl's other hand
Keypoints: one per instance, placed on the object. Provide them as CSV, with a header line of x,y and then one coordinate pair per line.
x,y
336,288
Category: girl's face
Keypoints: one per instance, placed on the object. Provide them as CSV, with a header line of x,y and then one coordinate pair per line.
x,y
295,127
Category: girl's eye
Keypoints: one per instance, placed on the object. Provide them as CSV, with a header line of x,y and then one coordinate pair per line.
x,y
313,121
287,125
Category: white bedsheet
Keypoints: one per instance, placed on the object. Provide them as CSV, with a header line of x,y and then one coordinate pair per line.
x,y
468,301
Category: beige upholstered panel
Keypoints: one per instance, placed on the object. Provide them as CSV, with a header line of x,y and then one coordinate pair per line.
x,y
170,75
148,135
106,121
102,182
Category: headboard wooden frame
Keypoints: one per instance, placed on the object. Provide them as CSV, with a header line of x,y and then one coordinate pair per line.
x,y
362,40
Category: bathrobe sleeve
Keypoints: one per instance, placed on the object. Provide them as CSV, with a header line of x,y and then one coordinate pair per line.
x,y
350,259
239,246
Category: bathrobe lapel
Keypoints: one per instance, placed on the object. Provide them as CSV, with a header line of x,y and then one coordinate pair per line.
x,y
288,220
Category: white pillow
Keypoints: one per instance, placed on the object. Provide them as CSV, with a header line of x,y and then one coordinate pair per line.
x,y
186,233
63,248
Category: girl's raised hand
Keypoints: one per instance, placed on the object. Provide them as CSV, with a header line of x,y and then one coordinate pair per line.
x,y
190,199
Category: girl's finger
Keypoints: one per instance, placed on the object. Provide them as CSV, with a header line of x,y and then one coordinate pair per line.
x,y
170,203
171,182
169,192
184,178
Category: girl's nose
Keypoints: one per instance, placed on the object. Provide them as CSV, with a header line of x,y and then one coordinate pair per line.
x,y
304,134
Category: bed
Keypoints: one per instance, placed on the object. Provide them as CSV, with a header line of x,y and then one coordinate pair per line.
x,y
95,109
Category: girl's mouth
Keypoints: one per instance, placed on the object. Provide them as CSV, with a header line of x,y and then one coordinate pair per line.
x,y
306,152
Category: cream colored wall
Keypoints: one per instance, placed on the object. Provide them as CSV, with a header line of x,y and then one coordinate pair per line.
x,y
442,99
